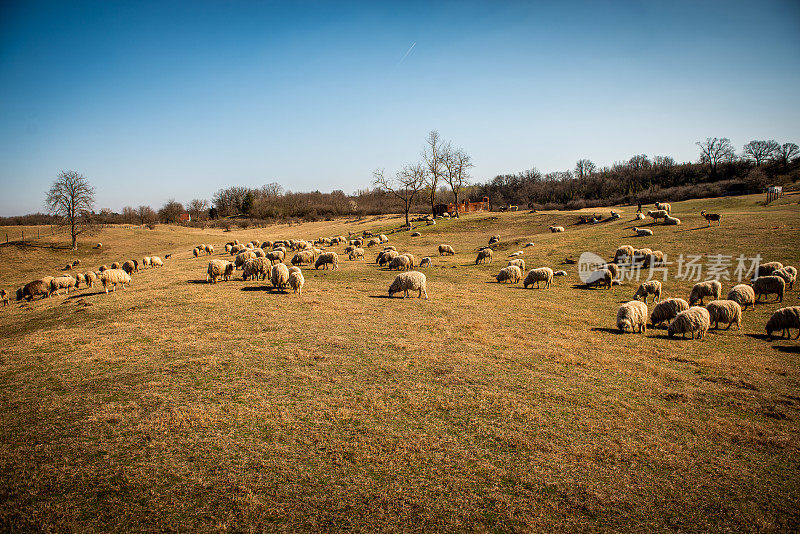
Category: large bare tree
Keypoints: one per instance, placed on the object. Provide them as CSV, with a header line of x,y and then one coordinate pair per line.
x,y
584,168
198,209
714,151
761,151
457,164
71,198
405,185
433,159
146,215
786,153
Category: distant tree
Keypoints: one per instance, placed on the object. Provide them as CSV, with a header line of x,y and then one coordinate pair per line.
x,y
663,162
198,209
786,153
146,215
71,198
639,162
247,203
128,215
229,201
457,164
171,212
760,151
714,151
272,190
584,168
433,159
405,185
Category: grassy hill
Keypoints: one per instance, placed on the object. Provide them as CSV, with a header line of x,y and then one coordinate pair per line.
x,y
180,405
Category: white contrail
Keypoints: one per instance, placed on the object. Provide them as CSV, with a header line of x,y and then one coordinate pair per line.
x,y
408,52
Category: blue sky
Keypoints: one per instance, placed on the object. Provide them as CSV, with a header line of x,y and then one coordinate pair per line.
x,y
153,100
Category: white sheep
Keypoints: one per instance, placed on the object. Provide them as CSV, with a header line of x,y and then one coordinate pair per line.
x,y
517,253
560,273
155,261
386,257
641,232
542,274
604,277
768,285
519,262
256,268
279,276
305,256
90,278
695,320
709,288
243,257
632,316
383,238
789,275
657,214
766,269
425,262
357,253
446,250
484,255
494,239
624,254
410,281
62,282
556,229
725,311
744,295
112,277
400,262
147,262
512,274
529,244
784,319
664,207
296,281
667,309
639,216
219,269
276,256
650,287
374,241
327,258
671,221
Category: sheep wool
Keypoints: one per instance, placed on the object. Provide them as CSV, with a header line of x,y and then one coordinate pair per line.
x,y
425,262
657,214
632,316
542,274
219,269
512,274
789,275
650,287
674,221
744,295
784,319
156,261
556,229
709,288
642,231
695,320
356,253
400,262
4,297
327,258
305,256
766,269
664,206
112,277
32,289
519,262
279,276
146,262
129,267
90,278
624,254
446,250
769,285
65,282
410,281
725,311
667,309
484,255
296,281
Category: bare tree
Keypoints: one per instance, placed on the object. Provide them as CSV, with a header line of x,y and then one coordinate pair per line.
x,y
171,211
760,151
198,209
639,162
405,185
71,198
146,215
714,151
272,190
584,168
433,158
663,162
456,170
129,214
786,153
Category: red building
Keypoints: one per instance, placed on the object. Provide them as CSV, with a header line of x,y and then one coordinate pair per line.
x,y
467,207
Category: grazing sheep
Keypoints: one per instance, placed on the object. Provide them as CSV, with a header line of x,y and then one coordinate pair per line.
x,y
98,245
664,206
116,265
651,287
657,214
389,247
67,267
410,281
155,261
129,266
4,297
294,269
560,273
276,256
195,252
357,253
32,289
219,269
411,258
789,275
766,269
614,215
112,277
556,229
542,274
624,253
613,268
79,279
425,262
744,295
632,316
656,257
446,250
62,282
243,257
512,274
235,249
76,262
484,255
529,244
305,256
711,217
385,257
519,262
374,241
90,278
673,221
400,262
667,309
416,234
517,253
279,276
725,311
228,248
641,232
147,262
709,288
784,319
604,277
695,320
767,285
259,252
494,239
296,281
327,258
209,249
256,268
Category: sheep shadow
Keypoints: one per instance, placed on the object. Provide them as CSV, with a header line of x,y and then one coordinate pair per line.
x,y
268,289
608,330
82,295
381,297
761,337
588,287
789,349
203,281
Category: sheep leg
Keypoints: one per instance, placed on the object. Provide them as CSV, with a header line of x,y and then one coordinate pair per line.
x,y
798,334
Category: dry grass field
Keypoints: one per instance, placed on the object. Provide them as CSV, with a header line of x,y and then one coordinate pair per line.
x,y
177,405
